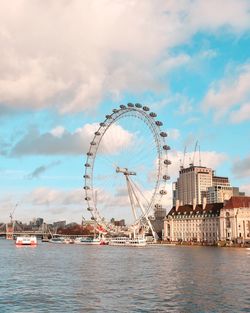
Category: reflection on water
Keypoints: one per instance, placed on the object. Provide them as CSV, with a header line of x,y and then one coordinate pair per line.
x,y
72,278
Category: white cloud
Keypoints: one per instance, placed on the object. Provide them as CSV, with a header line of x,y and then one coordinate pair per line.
x,y
174,133
209,54
192,120
61,142
230,92
243,114
209,159
185,104
72,54
212,15
58,131
172,62
51,204
246,189
241,168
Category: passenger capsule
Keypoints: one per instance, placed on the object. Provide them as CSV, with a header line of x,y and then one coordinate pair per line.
x,y
158,123
130,105
146,108
87,165
138,105
87,198
115,110
152,114
167,162
97,133
89,153
93,143
163,134
108,117
166,147
90,209
158,206
86,187
86,176
166,177
122,106
102,124
92,217
163,192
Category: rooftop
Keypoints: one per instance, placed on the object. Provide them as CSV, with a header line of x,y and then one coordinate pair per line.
x,y
237,202
213,208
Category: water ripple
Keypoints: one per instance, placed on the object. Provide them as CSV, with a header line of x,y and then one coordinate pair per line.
x,y
68,278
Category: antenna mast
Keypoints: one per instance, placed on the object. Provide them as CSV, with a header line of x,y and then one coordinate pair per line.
x,y
199,155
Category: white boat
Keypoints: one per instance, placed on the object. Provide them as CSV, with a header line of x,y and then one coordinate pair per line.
x,y
128,242
89,241
69,241
57,240
137,242
118,241
26,241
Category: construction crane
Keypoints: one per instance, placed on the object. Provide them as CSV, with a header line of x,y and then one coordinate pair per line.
x,y
195,148
11,213
184,155
199,155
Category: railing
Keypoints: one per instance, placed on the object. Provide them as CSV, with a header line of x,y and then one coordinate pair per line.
x,y
24,232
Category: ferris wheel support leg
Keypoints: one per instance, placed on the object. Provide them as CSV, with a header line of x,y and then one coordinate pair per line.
x,y
131,198
156,237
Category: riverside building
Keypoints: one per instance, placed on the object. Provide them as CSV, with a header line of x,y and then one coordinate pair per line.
x,y
210,223
197,184
192,184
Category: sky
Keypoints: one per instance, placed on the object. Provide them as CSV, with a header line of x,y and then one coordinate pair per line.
x,y
65,64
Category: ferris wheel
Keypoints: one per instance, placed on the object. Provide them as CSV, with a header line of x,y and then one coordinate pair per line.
x,y
138,166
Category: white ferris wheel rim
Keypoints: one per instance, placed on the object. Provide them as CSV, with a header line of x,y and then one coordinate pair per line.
x,y
142,112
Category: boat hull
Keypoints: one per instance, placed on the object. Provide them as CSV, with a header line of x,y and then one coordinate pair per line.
x,y
127,242
57,240
26,241
90,241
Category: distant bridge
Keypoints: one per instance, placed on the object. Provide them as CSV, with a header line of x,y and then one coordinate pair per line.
x,y
24,232
11,230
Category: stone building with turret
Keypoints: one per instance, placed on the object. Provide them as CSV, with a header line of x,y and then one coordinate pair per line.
x,y
209,222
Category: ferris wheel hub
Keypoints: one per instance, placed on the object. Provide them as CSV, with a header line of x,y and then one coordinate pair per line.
x,y
125,171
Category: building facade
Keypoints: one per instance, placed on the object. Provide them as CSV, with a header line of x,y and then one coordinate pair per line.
x,y
219,193
235,220
209,223
198,184
192,184
193,223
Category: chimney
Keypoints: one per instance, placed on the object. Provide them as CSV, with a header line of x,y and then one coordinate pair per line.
x,y
194,203
177,205
204,203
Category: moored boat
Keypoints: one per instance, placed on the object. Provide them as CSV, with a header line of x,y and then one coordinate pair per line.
x,y
128,242
69,241
26,241
57,240
89,241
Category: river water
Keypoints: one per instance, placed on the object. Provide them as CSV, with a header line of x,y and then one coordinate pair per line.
x,y
72,278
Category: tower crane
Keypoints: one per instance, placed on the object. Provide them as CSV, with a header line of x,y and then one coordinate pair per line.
x,y
195,148
11,213
184,155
